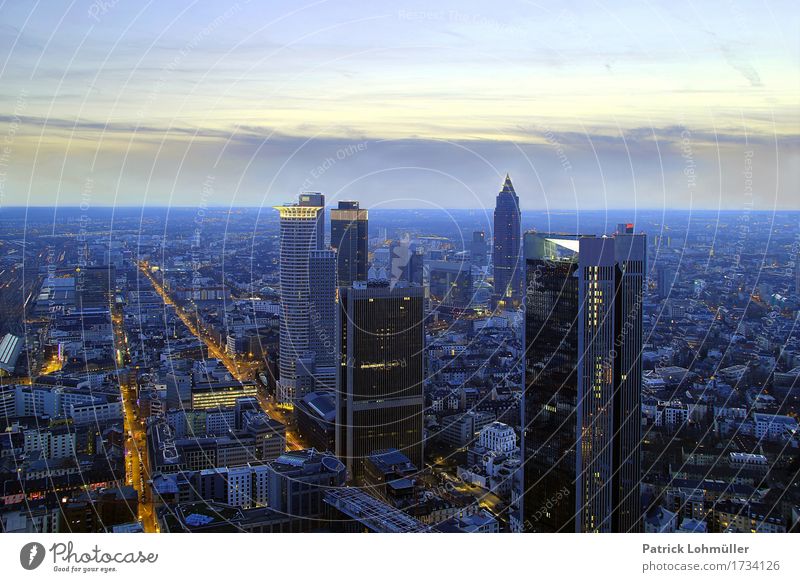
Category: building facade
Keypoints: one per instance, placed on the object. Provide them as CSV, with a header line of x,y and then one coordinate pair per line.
x,y
299,236
380,375
506,256
583,378
349,236
322,341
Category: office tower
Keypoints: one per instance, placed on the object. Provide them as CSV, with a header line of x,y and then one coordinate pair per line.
x,y
506,258
583,378
379,396
415,270
624,228
665,280
478,249
316,200
322,341
451,283
299,236
349,235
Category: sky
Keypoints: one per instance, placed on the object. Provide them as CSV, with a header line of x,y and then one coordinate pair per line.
x,y
585,104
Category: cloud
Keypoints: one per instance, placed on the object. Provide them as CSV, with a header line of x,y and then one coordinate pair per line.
x,y
742,65
152,100
552,169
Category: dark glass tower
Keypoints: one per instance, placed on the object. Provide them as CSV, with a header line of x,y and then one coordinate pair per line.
x,y
551,395
349,234
322,313
451,283
316,199
416,265
583,380
379,381
506,256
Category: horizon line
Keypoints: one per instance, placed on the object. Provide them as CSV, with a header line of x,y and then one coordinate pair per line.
x,y
381,208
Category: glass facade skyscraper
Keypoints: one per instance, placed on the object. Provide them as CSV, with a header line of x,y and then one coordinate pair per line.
x,y
322,339
316,199
349,235
583,379
506,258
380,376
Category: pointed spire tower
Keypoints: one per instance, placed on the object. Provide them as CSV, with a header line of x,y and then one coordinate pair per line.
x,y
508,187
507,247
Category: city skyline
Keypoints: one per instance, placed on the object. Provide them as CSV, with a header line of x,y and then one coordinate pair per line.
x,y
336,267
206,346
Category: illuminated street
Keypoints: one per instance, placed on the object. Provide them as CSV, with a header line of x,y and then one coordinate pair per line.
x,y
136,461
293,440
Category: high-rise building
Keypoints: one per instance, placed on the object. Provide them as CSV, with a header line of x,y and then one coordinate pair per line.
x,y
583,380
665,275
316,200
415,273
451,283
299,236
506,259
379,394
349,235
322,341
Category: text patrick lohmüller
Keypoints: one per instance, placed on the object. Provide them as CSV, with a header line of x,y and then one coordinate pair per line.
x,y
694,549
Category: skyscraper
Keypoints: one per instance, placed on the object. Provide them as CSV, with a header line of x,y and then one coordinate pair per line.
x,y
665,279
506,256
316,199
379,395
416,267
322,341
349,235
583,379
452,283
299,236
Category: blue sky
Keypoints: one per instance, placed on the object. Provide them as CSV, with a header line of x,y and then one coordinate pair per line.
x,y
586,104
